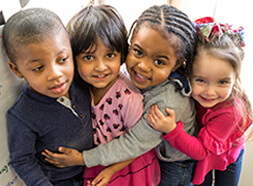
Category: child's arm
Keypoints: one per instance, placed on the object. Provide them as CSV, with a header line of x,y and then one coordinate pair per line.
x,y
212,138
175,134
105,175
22,153
159,121
68,157
138,140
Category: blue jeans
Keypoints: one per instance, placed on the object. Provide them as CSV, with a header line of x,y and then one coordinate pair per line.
x,y
75,181
229,177
176,173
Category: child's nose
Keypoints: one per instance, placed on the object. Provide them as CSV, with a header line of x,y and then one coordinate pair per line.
x,y
210,90
144,65
100,66
54,73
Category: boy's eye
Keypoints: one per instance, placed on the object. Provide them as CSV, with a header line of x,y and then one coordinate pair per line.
x,y
159,62
110,55
37,69
63,59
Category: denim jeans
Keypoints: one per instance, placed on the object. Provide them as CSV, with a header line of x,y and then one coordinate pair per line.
x,y
229,177
176,173
75,181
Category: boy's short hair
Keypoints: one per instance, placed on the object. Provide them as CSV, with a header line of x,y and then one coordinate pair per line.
x,y
30,26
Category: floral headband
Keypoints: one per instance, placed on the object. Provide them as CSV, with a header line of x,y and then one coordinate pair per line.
x,y
207,28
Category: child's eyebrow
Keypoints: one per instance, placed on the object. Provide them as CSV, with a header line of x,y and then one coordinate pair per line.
x,y
138,47
62,51
165,57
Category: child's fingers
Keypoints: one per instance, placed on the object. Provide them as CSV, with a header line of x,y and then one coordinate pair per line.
x,y
170,112
150,120
158,113
89,183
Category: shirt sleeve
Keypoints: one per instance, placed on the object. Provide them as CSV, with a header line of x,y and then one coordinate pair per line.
x,y
138,140
216,136
218,133
187,144
22,152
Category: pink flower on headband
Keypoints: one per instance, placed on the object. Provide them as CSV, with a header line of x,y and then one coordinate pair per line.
x,y
209,29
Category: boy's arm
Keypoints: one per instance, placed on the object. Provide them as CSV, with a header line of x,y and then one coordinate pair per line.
x,y
105,175
22,152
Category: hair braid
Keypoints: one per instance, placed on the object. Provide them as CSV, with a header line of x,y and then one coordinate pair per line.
x,y
170,20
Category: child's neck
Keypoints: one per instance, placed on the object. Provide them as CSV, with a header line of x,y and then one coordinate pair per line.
x,y
98,93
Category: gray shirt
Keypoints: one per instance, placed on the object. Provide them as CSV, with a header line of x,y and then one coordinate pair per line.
x,y
142,137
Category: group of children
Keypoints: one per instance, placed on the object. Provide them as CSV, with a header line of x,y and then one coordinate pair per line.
x,y
178,113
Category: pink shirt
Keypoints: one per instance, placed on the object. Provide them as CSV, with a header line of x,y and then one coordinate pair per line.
x,y
219,141
119,109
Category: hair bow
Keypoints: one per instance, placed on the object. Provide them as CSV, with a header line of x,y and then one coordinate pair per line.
x,y
209,29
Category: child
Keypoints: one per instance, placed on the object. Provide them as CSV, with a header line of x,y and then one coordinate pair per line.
x,y
99,41
51,109
223,110
163,41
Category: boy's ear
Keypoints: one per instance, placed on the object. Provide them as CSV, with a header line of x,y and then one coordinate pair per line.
x,y
183,62
14,68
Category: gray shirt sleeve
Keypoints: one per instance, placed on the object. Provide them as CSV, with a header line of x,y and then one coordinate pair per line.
x,y
138,140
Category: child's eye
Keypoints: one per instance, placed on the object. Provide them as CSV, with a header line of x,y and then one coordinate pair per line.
x,y
63,59
138,52
37,69
223,82
159,62
88,57
200,80
110,55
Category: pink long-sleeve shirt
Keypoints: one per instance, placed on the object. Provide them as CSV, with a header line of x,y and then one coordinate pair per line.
x,y
219,141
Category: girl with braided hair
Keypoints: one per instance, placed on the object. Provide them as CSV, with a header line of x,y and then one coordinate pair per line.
x,y
162,47
223,110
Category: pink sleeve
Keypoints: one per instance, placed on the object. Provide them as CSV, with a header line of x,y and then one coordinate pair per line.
x,y
216,136
189,145
220,130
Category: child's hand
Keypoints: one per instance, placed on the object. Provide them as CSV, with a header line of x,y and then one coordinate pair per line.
x,y
103,177
161,122
68,157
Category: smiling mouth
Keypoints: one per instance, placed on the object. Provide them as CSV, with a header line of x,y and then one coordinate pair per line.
x,y
140,77
207,100
100,76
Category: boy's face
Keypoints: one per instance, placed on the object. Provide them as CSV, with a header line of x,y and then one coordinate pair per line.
x,y
47,66
151,58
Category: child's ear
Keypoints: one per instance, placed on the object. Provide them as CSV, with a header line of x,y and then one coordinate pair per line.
x,y
14,68
183,62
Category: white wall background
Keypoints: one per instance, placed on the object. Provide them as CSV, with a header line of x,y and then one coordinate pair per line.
x,y
230,11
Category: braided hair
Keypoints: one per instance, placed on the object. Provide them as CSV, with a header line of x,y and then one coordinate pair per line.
x,y
170,21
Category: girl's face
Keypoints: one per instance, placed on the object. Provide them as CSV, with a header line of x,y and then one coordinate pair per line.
x,y
212,80
47,66
151,58
100,67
